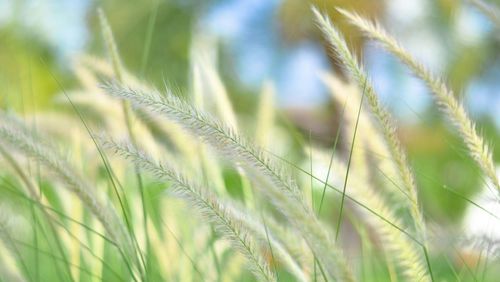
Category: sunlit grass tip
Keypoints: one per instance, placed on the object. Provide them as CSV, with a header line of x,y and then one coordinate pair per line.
x,y
478,148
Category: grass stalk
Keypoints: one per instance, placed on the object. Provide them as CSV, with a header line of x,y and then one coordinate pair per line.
x,y
478,148
118,71
384,118
208,205
283,192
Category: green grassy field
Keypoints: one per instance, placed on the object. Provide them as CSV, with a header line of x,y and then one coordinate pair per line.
x,y
116,178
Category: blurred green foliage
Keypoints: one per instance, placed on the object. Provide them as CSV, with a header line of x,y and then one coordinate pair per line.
x,y
154,40
29,70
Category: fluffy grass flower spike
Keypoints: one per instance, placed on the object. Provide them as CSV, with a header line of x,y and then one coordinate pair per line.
x,y
477,147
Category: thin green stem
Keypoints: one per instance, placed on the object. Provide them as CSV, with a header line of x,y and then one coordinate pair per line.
x,y
337,232
337,135
149,38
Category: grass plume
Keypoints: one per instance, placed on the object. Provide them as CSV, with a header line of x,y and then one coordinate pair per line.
x,y
477,147
281,189
384,118
30,145
207,204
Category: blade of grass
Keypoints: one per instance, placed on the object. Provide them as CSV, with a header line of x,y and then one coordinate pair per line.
x,y
35,231
10,188
312,196
354,200
32,210
337,232
269,245
32,190
46,207
478,149
205,202
119,72
384,118
9,243
149,37
469,201
183,250
276,183
214,255
49,254
337,135
109,174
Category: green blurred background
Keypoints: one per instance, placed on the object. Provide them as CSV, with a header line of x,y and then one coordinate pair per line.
x,y
260,40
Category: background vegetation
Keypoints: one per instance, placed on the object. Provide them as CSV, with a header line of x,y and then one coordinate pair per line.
x,y
179,141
